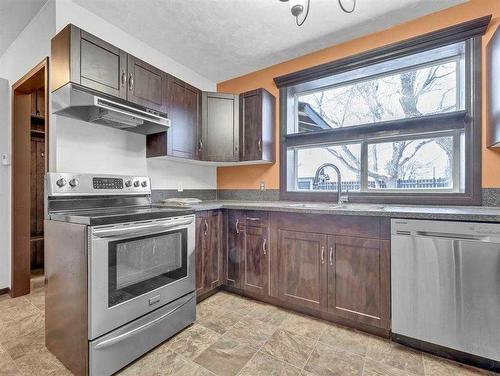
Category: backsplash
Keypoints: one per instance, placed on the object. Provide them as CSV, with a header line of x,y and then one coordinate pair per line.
x,y
490,197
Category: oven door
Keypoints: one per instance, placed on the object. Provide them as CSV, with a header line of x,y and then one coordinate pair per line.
x,y
136,268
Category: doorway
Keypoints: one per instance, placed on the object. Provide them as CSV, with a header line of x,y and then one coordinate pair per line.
x,y
30,131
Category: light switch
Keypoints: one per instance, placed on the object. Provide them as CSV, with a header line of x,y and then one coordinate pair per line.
x,y
180,188
6,159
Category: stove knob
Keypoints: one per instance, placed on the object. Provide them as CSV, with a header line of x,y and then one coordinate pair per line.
x,y
73,183
128,183
144,183
136,183
61,182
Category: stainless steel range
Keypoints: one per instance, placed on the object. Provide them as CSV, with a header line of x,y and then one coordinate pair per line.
x,y
120,271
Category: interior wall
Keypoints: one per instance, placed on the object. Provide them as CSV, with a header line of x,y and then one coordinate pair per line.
x,y
76,146
249,177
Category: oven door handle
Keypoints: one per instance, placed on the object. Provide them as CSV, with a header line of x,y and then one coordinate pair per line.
x,y
119,338
141,230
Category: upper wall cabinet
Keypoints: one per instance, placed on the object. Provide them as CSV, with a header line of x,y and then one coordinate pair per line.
x,y
84,59
257,118
219,131
184,112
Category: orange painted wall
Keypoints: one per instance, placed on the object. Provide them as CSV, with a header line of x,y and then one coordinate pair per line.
x,y
248,177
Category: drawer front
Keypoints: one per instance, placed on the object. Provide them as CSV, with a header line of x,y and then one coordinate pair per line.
x,y
115,350
256,218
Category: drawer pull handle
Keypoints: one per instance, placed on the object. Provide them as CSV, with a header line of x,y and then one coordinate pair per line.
x,y
322,255
331,256
264,244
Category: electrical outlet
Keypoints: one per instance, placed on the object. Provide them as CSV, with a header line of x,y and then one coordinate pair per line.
x,y
180,188
6,159
262,185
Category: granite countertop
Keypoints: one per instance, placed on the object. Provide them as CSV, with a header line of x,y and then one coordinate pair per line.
x,y
460,213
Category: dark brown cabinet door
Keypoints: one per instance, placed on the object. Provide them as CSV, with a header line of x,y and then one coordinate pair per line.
x,y
257,126
201,244
235,248
102,66
255,268
359,279
302,268
213,259
146,85
184,112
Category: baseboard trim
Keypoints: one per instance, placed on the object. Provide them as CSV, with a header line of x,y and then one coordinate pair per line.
x,y
5,290
445,352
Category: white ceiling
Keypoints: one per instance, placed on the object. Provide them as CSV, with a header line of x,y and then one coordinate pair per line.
x,y
222,39
15,15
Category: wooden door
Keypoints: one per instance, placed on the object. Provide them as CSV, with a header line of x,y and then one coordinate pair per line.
x,y
255,265
302,268
201,244
147,85
184,112
359,279
213,259
102,66
235,248
251,126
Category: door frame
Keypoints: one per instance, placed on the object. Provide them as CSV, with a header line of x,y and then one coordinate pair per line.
x,y
20,216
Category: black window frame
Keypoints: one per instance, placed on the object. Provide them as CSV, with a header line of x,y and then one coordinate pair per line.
x,y
468,119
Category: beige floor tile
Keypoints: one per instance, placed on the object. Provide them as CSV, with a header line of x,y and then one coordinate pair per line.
x,y
15,310
192,341
40,363
30,343
27,325
303,325
7,365
268,314
163,362
346,339
396,355
328,361
226,357
373,368
37,298
251,332
220,321
264,365
288,347
435,366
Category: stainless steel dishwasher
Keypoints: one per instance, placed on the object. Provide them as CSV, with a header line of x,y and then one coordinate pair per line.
x,y
446,286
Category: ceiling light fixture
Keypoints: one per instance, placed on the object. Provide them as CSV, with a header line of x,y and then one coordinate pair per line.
x,y
297,8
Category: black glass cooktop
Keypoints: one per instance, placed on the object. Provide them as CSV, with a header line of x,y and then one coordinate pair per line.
x,y
104,216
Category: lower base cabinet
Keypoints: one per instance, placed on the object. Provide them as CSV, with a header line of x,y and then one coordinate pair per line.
x,y
334,267
209,226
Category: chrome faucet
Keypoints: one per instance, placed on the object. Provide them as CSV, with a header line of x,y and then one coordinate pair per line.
x,y
321,172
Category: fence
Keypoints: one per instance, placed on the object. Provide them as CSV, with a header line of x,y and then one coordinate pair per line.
x,y
307,184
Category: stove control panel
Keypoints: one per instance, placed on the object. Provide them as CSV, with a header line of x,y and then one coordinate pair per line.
x,y
68,184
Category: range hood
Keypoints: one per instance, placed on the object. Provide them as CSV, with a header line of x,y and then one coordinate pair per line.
x,y
83,104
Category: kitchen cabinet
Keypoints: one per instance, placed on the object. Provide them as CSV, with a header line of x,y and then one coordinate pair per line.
x,y
84,59
219,131
147,85
208,251
358,279
493,57
235,246
184,112
257,126
302,268
255,255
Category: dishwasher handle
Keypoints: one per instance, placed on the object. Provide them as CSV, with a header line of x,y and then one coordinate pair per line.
x,y
448,235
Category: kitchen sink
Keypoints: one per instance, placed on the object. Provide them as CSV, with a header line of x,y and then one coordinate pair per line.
x,y
325,206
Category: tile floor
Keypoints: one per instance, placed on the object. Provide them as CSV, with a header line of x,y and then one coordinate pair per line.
x,y
232,336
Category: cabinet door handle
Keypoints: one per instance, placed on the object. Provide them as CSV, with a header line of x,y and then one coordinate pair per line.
x,y
124,78
236,226
200,145
259,144
264,244
331,256
253,219
322,255
131,82
206,227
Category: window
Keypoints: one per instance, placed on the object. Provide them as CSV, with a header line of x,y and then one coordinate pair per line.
x,y
403,129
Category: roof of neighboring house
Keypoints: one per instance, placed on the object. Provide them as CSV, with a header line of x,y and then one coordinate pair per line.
x,y
310,120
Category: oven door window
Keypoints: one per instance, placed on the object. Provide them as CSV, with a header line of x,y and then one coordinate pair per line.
x,y
143,264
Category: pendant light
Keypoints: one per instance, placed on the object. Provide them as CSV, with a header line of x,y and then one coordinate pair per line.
x,y
299,7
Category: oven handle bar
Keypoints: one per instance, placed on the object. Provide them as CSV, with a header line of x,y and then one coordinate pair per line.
x,y
142,230
120,337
